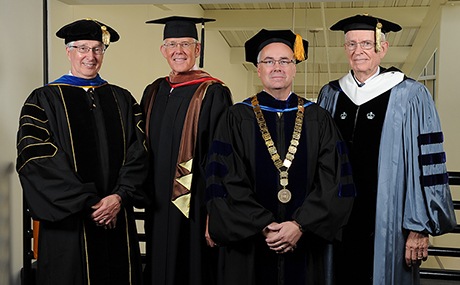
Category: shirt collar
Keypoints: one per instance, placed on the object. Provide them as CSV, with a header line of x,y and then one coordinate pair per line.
x,y
362,84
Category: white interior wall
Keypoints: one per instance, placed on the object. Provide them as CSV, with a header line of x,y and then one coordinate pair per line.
x,y
135,60
20,73
132,63
447,103
448,100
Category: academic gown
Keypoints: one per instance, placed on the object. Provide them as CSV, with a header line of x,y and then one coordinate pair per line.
x,y
75,148
242,187
176,248
361,127
412,191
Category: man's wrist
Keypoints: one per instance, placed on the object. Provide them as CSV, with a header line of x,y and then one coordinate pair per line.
x,y
302,229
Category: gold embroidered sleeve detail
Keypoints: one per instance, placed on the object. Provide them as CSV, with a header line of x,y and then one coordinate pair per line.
x,y
33,112
29,130
35,106
30,137
34,118
34,138
35,151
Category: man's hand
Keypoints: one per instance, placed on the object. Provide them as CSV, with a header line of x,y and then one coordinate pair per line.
x,y
269,233
106,211
286,237
209,240
416,248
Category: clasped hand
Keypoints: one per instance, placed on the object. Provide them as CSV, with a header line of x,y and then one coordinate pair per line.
x,y
282,237
106,211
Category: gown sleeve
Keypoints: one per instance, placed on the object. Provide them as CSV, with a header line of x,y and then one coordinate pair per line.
x,y
428,201
234,212
51,187
327,98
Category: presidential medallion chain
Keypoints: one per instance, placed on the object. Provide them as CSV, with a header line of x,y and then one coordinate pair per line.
x,y
284,195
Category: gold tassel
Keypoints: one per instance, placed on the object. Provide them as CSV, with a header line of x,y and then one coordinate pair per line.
x,y
299,52
105,33
105,36
378,37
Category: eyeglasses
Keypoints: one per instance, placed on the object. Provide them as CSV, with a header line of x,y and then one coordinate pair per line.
x,y
281,62
366,45
86,49
185,45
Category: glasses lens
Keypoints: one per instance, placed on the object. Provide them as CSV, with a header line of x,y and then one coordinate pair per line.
x,y
351,45
83,49
367,45
284,62
281,62
170,45
187,44
364,45
269,62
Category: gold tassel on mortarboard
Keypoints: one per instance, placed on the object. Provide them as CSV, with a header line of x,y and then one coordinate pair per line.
x,y
378,37
105,33
299,51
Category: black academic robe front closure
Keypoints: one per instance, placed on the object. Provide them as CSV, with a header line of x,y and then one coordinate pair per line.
x,y
242,187
176,248
76,147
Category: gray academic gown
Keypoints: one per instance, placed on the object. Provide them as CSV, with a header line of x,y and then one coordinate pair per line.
x,y
403,203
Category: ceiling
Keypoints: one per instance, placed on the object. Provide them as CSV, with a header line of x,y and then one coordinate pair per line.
x,y
239,20
134,2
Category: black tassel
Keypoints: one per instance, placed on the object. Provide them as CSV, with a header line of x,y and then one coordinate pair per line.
x,y
202,45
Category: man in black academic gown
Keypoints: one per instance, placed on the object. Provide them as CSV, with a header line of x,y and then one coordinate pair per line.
x,y
81,162
276,194
182,111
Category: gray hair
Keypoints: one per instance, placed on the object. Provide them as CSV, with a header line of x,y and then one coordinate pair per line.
x,y
70,45
258,56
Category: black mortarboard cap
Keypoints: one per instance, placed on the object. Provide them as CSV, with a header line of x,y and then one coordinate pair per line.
x,y
88,29
183,27
364,22
265,37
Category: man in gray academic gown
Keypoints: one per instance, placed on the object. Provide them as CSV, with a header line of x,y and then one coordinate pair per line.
x,y
394,140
